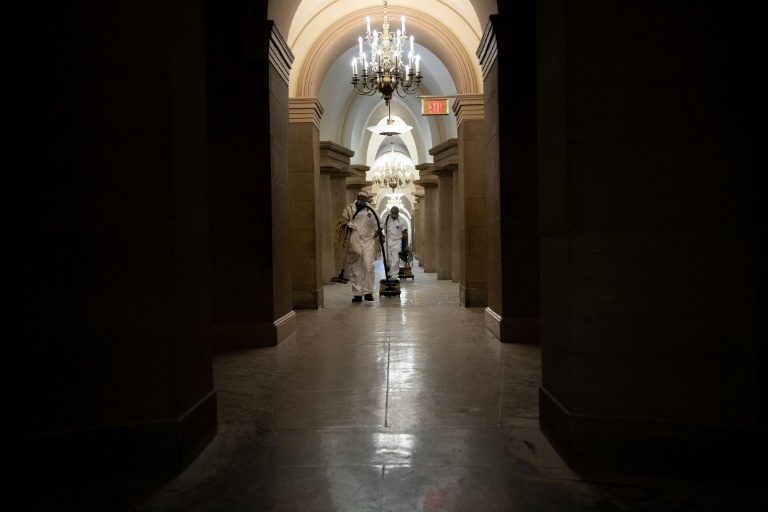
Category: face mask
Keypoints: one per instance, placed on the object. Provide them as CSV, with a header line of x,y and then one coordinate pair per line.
x,y
361,203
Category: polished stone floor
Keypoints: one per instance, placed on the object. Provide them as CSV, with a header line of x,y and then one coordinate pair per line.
x,y
401,404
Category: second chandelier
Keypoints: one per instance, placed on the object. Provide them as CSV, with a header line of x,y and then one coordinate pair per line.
x,y
388,72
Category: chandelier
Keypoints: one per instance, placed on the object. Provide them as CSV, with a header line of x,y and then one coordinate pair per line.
x,y
395,200
392,173
386,72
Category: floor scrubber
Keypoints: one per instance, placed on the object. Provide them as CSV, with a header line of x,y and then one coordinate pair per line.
x,y
389,286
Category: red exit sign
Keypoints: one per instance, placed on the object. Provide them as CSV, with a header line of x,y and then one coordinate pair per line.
x,y
434,106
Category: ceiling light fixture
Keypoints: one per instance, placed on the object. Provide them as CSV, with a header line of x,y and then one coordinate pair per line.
x,y
392,173
387,73
391,128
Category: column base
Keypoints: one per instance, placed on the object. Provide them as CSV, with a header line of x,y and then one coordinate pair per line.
x,y
308,300
643,446
473,297
262,334
513,330
151,450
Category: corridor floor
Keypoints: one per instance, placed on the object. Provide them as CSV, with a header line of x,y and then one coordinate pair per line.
x,y
401,404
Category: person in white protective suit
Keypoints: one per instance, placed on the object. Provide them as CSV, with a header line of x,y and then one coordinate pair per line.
x,y
393,237
362,229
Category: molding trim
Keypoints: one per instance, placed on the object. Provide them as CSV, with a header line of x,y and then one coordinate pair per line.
x,y
305,110
513,330
473,297
589,442
469,107
151,449
445,157
488,51
251,335
332,147
445,146
264,40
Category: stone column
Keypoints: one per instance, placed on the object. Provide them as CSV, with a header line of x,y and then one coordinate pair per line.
x,y
416,244
513,308
334,168
652,304
250,193
473,217
304,164
430,201
455,246
445,159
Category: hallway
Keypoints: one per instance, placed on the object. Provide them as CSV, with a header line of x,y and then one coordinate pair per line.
x,y
402,404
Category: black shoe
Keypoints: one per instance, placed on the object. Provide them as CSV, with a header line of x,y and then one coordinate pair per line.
x,y
368,296
357,298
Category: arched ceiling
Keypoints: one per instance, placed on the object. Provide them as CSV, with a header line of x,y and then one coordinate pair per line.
x,y
319,31
285,12
352,113
323,34
317,41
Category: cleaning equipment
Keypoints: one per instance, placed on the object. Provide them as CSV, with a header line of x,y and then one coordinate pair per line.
x,y
407,256
341,279
387,287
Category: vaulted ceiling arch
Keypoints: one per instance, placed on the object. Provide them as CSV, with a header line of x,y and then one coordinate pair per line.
x,y
315,52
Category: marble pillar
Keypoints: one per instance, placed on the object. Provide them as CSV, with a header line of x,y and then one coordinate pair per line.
x,y
334,167
429,182
248,110
652,344
445,159
473,216
416,243
306,212
513,312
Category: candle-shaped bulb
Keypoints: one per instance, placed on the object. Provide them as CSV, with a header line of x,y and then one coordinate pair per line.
x,y
417,63
354,66
368,24
375,38
360,41
402,18
411,44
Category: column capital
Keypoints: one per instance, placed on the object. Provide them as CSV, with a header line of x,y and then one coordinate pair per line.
x,y
424,171
305,110
498,36
263,40
359,169
427,181
357,179
334,159
447,145
446,157
469,107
